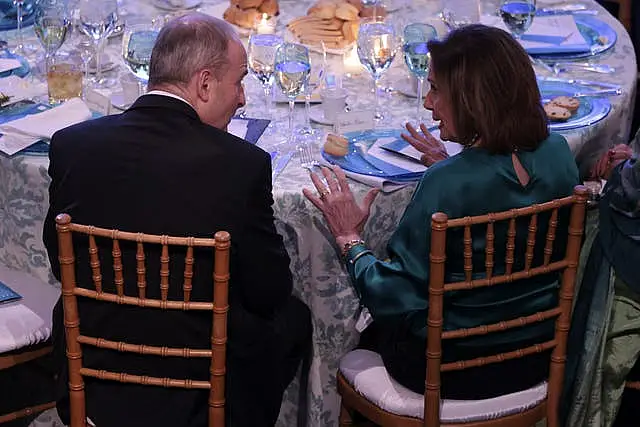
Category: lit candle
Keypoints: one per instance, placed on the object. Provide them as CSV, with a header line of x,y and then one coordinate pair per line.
x,y
266,24
351,62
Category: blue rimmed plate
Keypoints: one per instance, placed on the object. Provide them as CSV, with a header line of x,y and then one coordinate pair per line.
x,y
10,22
22,71
358,161
592,108
596,32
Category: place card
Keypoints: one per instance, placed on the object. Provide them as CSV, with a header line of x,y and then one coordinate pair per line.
x,y
351,122
97,102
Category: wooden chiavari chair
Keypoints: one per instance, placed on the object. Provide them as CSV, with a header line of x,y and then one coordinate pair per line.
x,y
624,12
70,292
527,407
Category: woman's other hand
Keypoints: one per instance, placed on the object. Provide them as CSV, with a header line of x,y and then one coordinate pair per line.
x,y
609,160
345,217
432,149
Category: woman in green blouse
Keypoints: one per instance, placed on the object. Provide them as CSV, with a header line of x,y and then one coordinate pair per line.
x,y
485,96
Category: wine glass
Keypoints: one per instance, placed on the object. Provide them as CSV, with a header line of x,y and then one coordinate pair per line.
x,y
98,19
417,56
458,13
292,69
52,26
377,45
316,77
261,58
137,45
21,48
518,15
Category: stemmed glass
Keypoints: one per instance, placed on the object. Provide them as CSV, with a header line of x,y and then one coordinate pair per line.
x,y
137,45
518,15
20,48
98,19
292,69
261,59
377,46
316,77
417,56
52,26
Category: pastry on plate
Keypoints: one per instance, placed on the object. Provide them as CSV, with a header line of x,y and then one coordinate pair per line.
x,y
336,145
570,103
555,113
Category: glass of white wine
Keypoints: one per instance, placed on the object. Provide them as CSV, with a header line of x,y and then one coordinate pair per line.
x,y
292,69
518,15
377,46
417,56
137,45
52,26
98,19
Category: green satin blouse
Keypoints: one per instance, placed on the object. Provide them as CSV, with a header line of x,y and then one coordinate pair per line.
x,y
473,182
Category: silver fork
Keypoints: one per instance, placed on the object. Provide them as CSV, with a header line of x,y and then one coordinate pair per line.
x,y
306,156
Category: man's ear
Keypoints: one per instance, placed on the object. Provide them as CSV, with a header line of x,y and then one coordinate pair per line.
x,y
206,84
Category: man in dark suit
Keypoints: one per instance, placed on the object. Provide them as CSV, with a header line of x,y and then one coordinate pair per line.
x,y
167,166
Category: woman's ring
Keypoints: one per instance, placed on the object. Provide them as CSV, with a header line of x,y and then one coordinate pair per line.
x,y
323,194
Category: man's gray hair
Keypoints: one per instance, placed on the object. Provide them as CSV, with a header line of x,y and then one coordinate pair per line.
x,y
187,45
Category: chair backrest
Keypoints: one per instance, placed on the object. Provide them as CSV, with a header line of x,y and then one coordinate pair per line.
x,y
70,291
437,287
624,13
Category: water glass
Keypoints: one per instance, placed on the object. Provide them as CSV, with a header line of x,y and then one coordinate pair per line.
x,y
377,46
458,13
417,56
20,7
316,77
292,69
137,45
518,15
64,78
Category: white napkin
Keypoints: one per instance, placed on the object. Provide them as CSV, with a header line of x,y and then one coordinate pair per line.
x,y
238,128
45,124
19,89
20,327
7,64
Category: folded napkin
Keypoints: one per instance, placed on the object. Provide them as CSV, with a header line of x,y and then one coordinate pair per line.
x,y
19,89
383,184
45,124
7,294
548,34
8,64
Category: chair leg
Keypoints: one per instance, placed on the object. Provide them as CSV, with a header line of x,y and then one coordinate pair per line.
x,y
345,419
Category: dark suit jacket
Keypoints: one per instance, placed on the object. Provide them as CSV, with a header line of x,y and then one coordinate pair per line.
x,y
158,169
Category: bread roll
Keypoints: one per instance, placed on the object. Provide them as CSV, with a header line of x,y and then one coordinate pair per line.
x,y
249,4
270,7
373,12
356,3
350,30
336,145
231,14
347,11
247,18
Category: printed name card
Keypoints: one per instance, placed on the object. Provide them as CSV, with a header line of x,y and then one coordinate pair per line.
x,y
355,121
97,102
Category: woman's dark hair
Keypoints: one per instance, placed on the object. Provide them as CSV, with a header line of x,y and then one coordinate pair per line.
x,y
492,87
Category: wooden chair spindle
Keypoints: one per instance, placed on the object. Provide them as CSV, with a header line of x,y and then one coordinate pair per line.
x,y
141,270
531,241
511,244
490,250
468,253
551,236
164,270
117,265
95,264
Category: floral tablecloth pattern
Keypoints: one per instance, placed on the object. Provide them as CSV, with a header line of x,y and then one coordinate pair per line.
x,y
319,276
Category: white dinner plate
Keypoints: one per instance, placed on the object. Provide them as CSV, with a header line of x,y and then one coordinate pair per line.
x,y
316,114
406,87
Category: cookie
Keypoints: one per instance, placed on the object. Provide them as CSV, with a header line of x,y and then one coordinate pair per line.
x,y
571,104
555,113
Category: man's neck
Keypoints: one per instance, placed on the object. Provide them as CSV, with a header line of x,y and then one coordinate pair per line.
x,y
171,91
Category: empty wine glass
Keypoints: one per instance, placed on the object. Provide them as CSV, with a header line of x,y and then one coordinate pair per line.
x,y
52,26
316,77
417,56
377,46
261,58
458,13
518,15
137,45
292,68
98,20
21,48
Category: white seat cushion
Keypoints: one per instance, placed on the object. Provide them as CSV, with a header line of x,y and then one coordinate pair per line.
x,y
365,371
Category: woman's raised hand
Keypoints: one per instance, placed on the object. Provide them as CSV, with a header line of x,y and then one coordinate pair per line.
x,y
432,149
344,216
609,160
